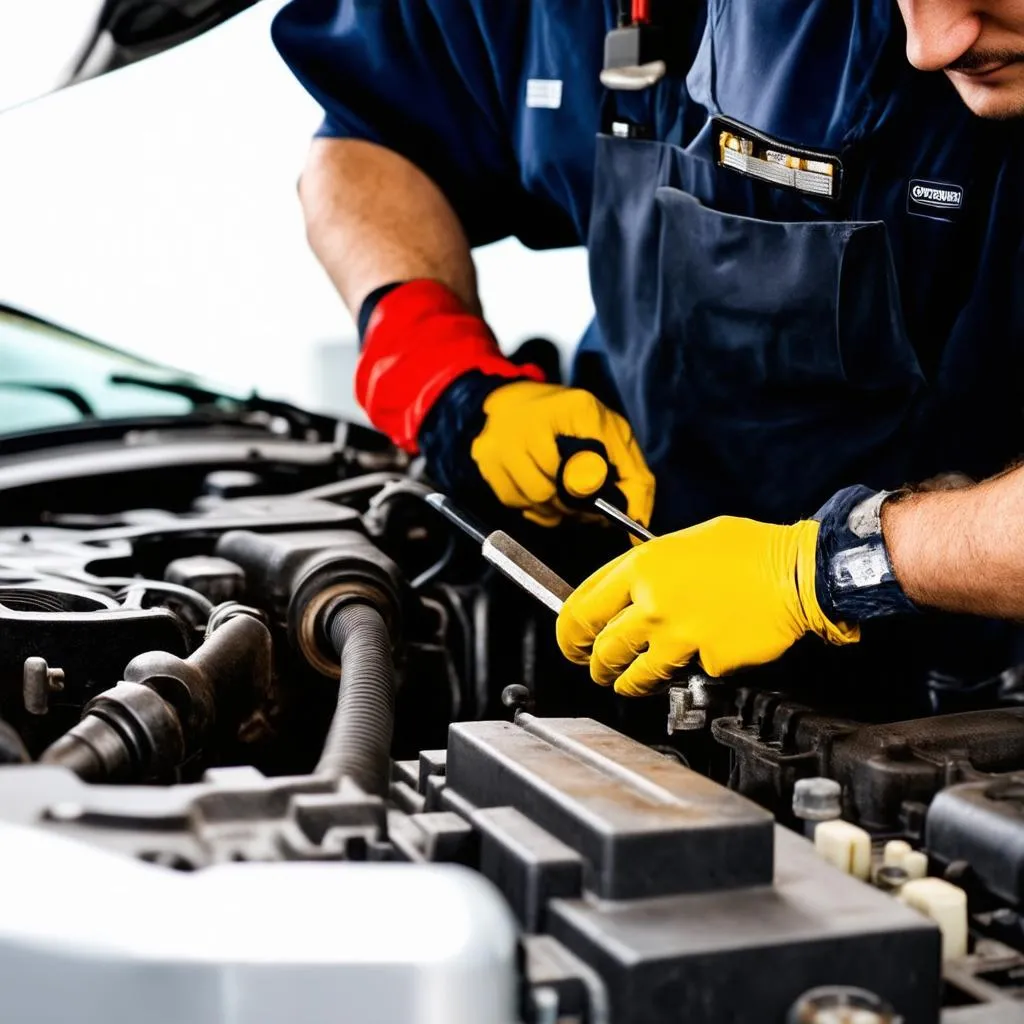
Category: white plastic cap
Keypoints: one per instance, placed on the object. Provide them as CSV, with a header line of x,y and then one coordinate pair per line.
x,y
844,845
894,853
946,905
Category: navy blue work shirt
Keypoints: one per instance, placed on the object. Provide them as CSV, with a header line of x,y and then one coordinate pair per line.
x,y
500,103
445,83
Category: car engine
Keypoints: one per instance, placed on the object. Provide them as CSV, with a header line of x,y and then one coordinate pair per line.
x,y
278,743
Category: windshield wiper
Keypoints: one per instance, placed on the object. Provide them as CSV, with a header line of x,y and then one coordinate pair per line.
x,y
299,421
193,392
70,395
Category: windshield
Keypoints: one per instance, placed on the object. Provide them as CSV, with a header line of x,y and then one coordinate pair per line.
x,y
50,377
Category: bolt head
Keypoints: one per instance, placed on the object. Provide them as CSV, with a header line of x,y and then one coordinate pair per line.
x,y
817,799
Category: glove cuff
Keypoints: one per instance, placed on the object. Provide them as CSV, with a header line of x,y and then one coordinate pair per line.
x,y
854,578
831,630
420,338
447,433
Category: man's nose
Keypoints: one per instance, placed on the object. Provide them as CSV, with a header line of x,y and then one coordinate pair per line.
x,y
939,31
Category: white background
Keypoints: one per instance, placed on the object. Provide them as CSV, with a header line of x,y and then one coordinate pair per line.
x,y
154,208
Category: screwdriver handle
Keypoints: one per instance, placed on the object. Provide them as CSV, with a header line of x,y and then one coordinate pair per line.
x,y
584,473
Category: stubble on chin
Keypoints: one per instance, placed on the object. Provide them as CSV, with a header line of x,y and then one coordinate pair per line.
x,y
1005,103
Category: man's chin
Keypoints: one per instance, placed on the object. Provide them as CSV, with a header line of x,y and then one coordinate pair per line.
x,y
998,101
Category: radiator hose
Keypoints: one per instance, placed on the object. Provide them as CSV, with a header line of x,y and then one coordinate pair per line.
x,y
358,742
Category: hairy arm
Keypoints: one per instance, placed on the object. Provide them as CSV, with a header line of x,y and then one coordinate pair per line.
x,y
962,550
372,217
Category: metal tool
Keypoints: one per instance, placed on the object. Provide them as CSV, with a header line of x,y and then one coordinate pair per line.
x,y
508,556
620,517
584,473
600,492
687,700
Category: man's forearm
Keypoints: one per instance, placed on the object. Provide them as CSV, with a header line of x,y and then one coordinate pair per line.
x,y
372,217
961,550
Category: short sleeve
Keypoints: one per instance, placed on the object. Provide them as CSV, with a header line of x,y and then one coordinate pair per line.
x,y
431,80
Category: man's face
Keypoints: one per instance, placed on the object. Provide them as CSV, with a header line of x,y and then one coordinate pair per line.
x,y
979,44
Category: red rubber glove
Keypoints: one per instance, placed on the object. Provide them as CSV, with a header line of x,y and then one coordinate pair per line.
x,y
418,340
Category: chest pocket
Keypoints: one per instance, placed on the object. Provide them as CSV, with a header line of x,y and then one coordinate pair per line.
x,y
788,359
762,363
765,305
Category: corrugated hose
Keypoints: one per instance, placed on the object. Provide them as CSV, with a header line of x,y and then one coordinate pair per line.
x,y
358,742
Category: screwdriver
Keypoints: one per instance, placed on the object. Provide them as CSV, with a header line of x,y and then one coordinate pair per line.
x,y
588,475
516,562
508,556
638,531
527,571
584,477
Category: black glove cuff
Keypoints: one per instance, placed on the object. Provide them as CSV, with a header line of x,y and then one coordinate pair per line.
x,y
370,304
854,579
446,434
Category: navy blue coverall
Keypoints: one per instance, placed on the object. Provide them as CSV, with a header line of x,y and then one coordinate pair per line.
x,y
767,346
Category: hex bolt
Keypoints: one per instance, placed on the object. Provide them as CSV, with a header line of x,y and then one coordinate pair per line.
x,y
38,682
686,708
817,799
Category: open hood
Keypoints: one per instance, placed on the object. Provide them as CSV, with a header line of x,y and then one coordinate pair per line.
x,y
41,54
126,31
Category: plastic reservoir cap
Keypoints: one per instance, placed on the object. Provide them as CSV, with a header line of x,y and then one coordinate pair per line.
x,y
915,864
846,846
894,853
946,905
898,854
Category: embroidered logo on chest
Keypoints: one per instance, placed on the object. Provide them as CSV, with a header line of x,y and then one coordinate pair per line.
x,y
939,200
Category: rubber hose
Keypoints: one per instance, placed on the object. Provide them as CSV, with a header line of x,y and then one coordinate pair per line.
x,y
358,743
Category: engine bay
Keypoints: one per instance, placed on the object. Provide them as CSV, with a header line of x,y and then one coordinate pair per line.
x,y
301,662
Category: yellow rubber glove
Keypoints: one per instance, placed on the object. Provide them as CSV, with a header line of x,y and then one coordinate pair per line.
x,y
729,592
517,450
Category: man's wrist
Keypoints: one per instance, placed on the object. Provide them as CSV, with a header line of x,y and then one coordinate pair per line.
x,y
917,532
370,303
854,576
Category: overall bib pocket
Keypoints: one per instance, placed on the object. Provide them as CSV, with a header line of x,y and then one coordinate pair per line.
x,y
785,347
763,364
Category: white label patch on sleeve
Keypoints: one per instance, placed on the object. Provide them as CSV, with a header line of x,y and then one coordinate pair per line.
x,y
544,92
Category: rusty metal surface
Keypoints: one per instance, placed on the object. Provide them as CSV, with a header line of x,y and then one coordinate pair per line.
x,y
882,767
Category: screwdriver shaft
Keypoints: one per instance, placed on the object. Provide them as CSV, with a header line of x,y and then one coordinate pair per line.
x,y
623,520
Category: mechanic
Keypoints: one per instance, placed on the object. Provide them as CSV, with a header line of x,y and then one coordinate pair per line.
x,y
806,260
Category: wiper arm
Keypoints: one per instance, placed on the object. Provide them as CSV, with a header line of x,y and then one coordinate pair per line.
x,y
299,420
70,395
193,392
